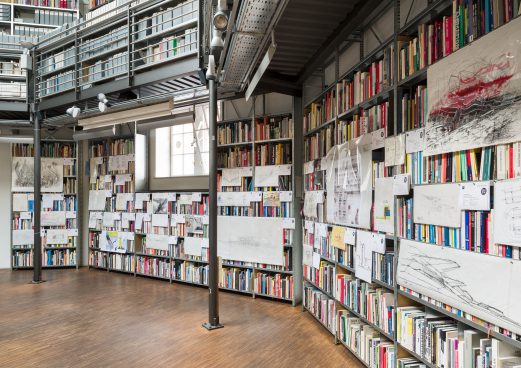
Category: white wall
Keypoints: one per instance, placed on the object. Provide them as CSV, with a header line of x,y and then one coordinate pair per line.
x,y
5,205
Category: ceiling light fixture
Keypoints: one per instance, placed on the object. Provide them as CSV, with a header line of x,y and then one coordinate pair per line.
x,y
103,102
73,111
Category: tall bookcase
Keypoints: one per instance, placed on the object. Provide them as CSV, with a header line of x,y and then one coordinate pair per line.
x,y
381,102
247,149
59,222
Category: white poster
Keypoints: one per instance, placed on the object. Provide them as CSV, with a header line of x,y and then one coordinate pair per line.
x,y
366,243
233,177
268,176
307,255
402,184
160,219
52,218
507,212
474,94
384,205
437,204
119,162
140,199
57,236
250,239
395,150
348,183
23,237
415,140
450,276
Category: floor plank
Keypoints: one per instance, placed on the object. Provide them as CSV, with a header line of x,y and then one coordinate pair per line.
x,y
90,318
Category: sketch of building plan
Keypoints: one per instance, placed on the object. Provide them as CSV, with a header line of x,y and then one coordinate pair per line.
x,y
437,204
507,212
449,275
366,243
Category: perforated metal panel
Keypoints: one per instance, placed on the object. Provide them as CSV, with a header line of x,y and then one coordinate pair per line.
x,y
255,15
252,25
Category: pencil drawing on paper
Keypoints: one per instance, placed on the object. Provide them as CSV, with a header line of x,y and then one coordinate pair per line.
x,y
507,214
159,204
445,277
475,95
52,175
23,174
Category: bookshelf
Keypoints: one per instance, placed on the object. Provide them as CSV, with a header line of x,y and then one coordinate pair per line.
x,y
383,100
60,237
249,149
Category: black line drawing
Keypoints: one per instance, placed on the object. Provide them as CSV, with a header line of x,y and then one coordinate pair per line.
x,y
507,220
159,203
52,175
440,278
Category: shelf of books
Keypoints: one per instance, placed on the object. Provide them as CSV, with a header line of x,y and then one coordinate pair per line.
x,y
255,184
411,185
111,204
59,204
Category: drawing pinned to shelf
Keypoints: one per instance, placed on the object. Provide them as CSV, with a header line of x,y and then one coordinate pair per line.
x,y
367,243
348,183
194,224
507,212
160,203
22,174
384,205
475,94
233,177
449,275
57,236
437,204
52,175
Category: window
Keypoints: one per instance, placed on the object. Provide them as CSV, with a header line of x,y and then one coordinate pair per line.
x,y
182,150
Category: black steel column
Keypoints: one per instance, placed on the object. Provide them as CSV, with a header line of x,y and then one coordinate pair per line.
x,y
37,246
213,279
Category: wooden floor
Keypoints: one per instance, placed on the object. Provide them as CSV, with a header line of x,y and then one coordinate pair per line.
x,y
96,319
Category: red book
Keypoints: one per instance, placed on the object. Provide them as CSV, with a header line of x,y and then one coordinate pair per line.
x,y
510,161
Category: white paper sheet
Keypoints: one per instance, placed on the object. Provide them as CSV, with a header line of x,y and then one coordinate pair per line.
x,y
160,203
26,215
122,199
286,196
309,167
507,212
192,246
268,176
402,184
378,139
23,237
20,202
395,150
350,236
233,177
288,223
316,260
93,219
242,199
155,241
250,239
415,140
138,224
109,218
384,205
479,284
309,226
97,200
437,204
311,200
185,199
307,255
57,236
160,220
271,199
197,197
475,196
122,179
367,243
140,198
119,162
52,218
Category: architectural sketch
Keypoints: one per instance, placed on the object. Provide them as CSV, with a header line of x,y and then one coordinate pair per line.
x,y
437,204
348,178
448,275
367,243
507,212
57,236
475,95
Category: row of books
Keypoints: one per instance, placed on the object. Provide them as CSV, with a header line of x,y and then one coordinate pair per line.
x,y
57,83
274,285
191,272
273,154
236,132
414,109
320,305
318,144
273,128
371,302
109,67
364,85
166,19
120,262
470,165
48,149
320,112
167,48
13,89
112,40
438,340
470,19
11,67
62,4
59,257
153,267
